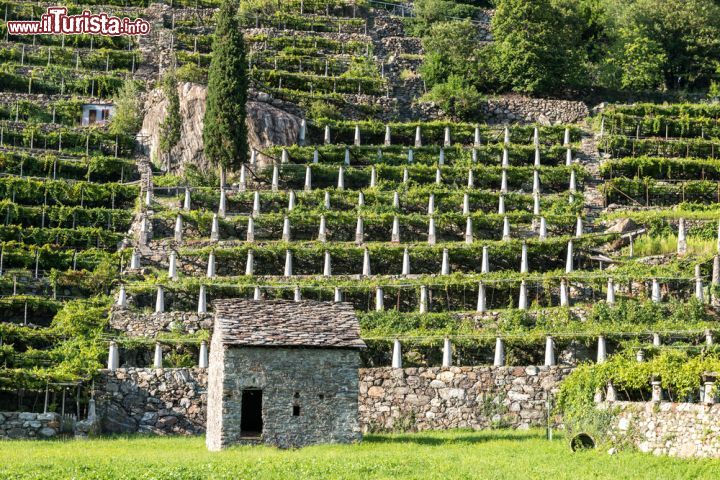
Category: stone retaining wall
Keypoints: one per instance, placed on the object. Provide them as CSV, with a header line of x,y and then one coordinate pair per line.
x,y
517,108
138,324
456,397
160,401
675,429
28,425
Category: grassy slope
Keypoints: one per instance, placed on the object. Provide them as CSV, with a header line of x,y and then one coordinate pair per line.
x,y
442,455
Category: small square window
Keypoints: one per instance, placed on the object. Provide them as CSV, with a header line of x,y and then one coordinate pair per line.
x,y
296,410
321,396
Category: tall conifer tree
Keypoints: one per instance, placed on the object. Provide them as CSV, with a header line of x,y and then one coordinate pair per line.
x,y
224,130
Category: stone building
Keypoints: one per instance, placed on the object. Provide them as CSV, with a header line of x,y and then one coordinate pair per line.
x,y
283,373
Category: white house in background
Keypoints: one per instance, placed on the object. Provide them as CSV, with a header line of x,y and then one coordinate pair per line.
x,y
100,113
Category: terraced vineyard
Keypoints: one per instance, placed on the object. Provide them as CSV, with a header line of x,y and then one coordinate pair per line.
x,y
492,236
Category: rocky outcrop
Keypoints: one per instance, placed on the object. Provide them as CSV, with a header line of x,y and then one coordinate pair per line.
x,y
267,123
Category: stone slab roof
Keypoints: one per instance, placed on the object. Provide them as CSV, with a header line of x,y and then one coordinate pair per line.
x,y
285,323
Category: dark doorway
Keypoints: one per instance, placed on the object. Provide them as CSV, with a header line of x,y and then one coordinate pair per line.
x,y
92,116
251,423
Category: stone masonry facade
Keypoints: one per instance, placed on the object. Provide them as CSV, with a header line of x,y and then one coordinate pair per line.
x,y
676,429
28,425
456,397
322,382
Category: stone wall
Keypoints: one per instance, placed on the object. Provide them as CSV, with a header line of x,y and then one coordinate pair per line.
x,y
456,397
28,425
520,109
160,401
139,324
676,429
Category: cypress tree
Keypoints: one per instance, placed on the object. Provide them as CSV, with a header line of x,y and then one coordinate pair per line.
x,y
224,130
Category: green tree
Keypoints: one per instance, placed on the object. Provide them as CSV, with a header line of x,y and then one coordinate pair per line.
x,y
171,125
535,48
127,117
224,130
451,48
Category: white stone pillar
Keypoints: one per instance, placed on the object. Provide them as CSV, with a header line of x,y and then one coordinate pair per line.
x,y
202,300
160,300
361,199
284,157
447,353
122,297
568,157
203,358
148,197
611,395
158,357
610,299
506,136
291,200
431,204
524,259
288,264
347,156
359,231
178,229
286,229
172,267
326,136
423,299
406,262
681,238
506,229
303,130
243,178
250,263
503,182
253,156
549,351
356,139
476,137
366,263
656,340
566,140
257,294
431,232
327,265
215,229
471,178
250,237
379,299
308,179
396,200
655,295
395,234
438,176
211,265
297,294
522,301
564,297
341,179
397,355
542,231
466,204
135,260
481,301
468,230
418,137
326,200
186,203
322,231
640,356
445,267
441,160
536,136
316,156
656,390
256,204
601,350
536,163
578,227
222,208
388,138
411,156
573,182
337,296
485,263
446,139
275,183
536,204
501,205
536,181
569,258
373,177
699,285
505,158
709,341
406,176
499,360
113,357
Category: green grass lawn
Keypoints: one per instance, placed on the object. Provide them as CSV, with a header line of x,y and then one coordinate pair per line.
x,y
442,455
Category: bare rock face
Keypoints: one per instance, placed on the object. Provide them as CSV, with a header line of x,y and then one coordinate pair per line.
x,y
267,125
